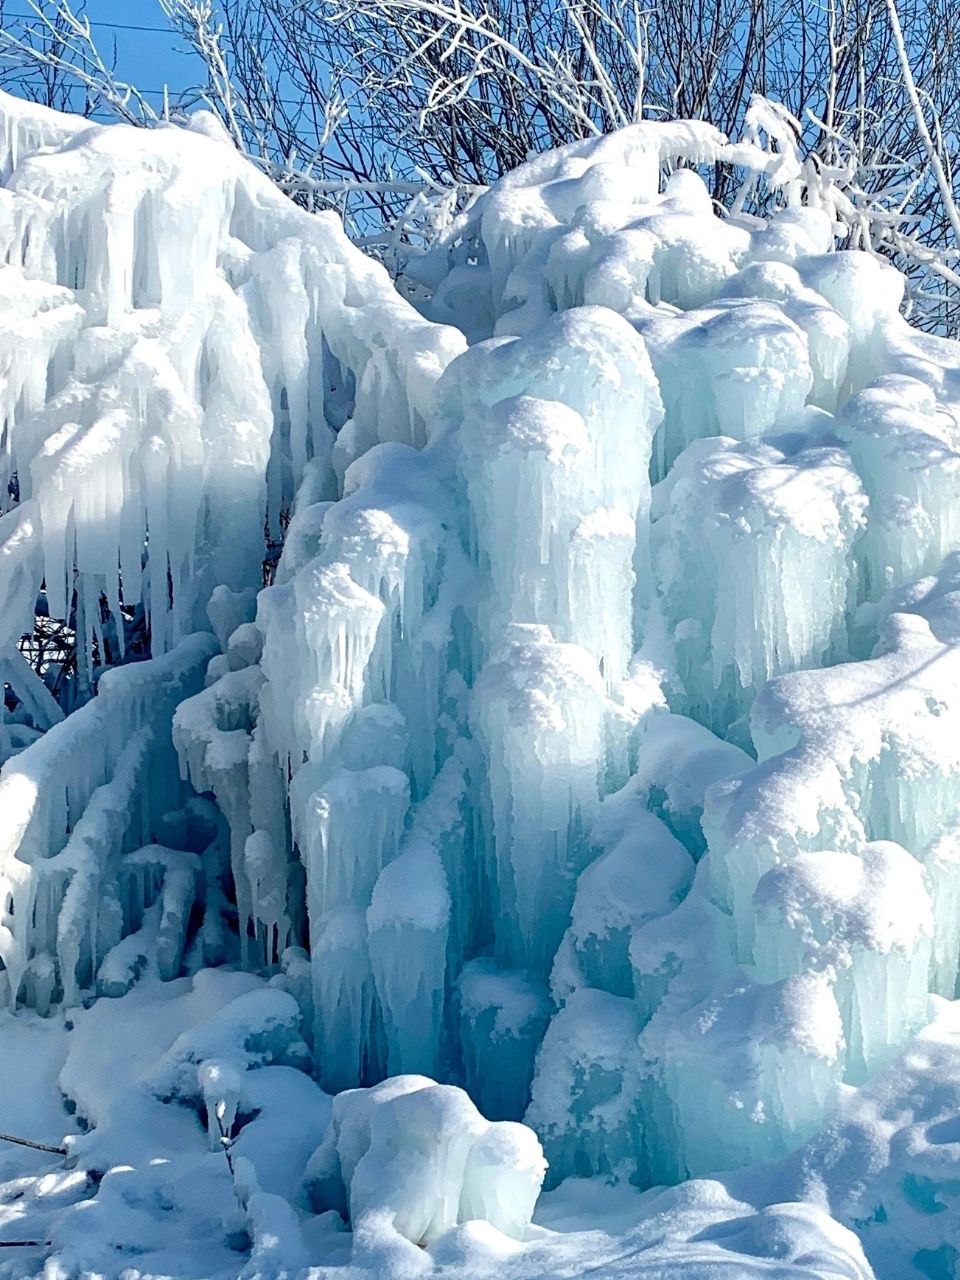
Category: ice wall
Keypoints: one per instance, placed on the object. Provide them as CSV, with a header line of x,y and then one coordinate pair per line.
x,y
593,742
184,347
190,343
75,802
803,471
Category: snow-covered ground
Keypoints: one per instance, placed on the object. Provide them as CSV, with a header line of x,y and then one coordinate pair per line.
x,y
578,805
143,1193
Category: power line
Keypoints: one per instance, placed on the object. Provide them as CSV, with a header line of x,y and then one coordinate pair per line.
x,y
287,102
173,91
163,31
113,26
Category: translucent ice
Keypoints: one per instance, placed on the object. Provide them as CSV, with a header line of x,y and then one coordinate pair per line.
x,y
749,1072
408,921
537,709
634,810
865,918
644,873
502,1020
785,528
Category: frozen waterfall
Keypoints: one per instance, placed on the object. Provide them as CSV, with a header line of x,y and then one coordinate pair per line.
x,y
594,745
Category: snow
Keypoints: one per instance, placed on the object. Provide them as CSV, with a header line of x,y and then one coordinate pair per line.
x,y
578,805
419,1157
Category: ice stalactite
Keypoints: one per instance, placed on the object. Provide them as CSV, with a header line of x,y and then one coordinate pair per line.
x,y
348,1036
503,1017
827,334
180,379
408,921
167,388
347,830
537,710
555,465
846,944
866,292
265,869
530,469
86,795
785,527
862,751
737,370
333,624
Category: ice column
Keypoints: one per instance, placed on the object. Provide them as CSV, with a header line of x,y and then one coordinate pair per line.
x,y
552,555
347,830
408,921
537,709
320,634
735,369
555,433
904,448
865,918
644,874
747,1073
753,559
212,734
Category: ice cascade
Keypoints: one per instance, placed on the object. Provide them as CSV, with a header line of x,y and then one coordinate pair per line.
x,y
586,736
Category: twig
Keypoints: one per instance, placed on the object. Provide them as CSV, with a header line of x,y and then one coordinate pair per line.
x,y
36,1146
913,97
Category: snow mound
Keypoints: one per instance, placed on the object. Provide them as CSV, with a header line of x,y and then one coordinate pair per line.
x,y
420,1157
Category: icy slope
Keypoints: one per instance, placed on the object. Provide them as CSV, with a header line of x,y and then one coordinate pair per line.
x,y
593,747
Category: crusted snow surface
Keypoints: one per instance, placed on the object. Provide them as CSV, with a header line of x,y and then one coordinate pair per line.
x,y
579,801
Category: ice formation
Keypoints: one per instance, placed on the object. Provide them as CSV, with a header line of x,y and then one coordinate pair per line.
x,y
583,771
421,1154
789,522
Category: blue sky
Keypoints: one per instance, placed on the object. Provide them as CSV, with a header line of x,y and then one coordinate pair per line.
x,y
147,58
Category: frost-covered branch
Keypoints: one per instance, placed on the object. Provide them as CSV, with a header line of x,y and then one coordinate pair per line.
x,y
931,151
396,112
871,201
57,43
